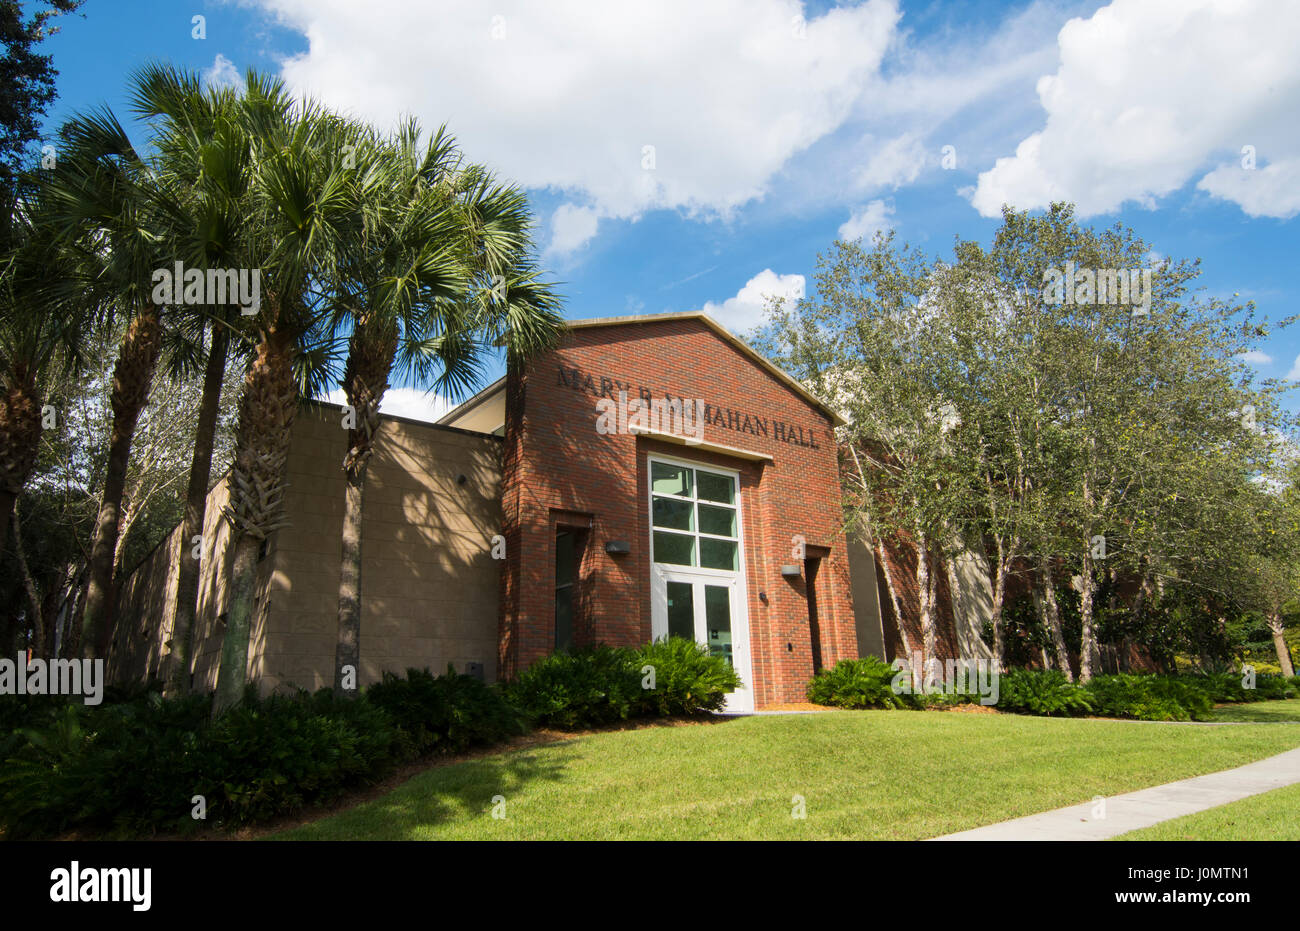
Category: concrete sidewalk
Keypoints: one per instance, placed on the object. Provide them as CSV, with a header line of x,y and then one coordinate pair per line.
x,y
1146,807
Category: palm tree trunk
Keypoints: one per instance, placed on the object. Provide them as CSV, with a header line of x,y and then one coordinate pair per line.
x,y
132,379
365,379
267,407
1279,644
196,502
20,437
233,674
348,650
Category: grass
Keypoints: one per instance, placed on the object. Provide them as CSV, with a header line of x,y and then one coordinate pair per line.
x,y
1269,816
1260,712
861,775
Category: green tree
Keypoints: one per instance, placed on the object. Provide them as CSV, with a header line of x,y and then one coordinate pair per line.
x,y
435,275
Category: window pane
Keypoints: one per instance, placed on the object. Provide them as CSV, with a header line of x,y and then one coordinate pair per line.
x,y
717,620
669,512
564,618
721,521
717,554
716,487
670,479
675,548
681,610
566,562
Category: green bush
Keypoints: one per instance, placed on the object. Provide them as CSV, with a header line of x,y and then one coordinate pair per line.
x,y
450,713
688,679
584,688
1274,688
1041,692
1149,698
858,683
269,757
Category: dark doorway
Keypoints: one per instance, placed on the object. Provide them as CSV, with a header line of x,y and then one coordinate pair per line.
x,y
810,567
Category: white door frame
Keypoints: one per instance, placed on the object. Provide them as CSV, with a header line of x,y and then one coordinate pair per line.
x,y
741,700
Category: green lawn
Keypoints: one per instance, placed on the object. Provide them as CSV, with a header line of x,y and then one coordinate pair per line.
x,y
1271,816
1260,711
862,775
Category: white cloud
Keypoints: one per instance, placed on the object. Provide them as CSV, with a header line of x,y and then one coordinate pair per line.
x,y
568,95
572,227
1134,111
403,402
895,163
866,221
745,311
223,73
1294,374
1270,191
1255,357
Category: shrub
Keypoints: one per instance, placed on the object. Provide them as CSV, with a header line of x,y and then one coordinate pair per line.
x,y
272,756
858,683
1149,698
1042,692
451,712
580,689
688,679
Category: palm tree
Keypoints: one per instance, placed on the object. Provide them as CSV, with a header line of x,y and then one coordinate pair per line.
x,y
300,206
35,338
431,231
105,205
204,148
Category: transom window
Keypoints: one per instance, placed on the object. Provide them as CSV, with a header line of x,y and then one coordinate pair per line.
x,y
694,516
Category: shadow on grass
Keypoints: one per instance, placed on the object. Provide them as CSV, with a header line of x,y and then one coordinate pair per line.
x,y
469,789
1264,712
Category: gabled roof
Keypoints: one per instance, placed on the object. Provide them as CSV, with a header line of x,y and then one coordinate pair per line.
x,y
494,394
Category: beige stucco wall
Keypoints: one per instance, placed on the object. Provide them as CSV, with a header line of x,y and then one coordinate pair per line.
x,y
429,583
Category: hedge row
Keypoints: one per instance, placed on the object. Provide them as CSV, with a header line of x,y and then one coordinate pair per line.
x,y
869,683
146,764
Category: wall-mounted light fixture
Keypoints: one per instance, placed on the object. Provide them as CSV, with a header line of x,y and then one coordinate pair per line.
x,y
618,547
762,596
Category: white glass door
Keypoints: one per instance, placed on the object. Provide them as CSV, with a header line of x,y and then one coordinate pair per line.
x,y
698,583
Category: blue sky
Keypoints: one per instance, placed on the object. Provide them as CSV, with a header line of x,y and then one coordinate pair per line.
x,y
777,125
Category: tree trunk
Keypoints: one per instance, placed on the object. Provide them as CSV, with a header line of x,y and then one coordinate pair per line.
x,y
267,407
925,593
1279,644
1052,616
365,379
1088,638
233,673
893,599
36,616
132,379
196,503
20,439
348,649
999,597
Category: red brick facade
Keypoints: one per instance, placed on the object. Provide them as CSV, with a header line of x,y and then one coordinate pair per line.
x,y
559,470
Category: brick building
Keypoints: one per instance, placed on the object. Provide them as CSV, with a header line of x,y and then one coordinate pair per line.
x,y
650,476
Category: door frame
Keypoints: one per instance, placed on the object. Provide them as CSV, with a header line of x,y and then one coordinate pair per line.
x,y
741,700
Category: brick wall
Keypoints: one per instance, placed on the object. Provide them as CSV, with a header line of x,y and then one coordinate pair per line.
x,y
558,468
